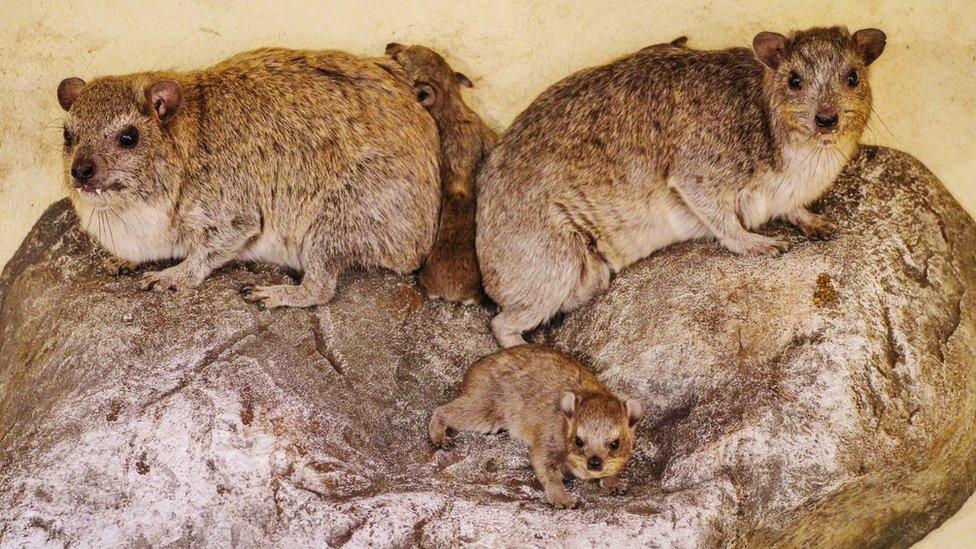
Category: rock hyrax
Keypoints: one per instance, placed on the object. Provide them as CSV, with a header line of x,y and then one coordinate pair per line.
x,y
571,422
667,144
315,160
451,271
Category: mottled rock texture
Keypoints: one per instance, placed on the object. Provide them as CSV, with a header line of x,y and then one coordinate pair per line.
x,y
826,397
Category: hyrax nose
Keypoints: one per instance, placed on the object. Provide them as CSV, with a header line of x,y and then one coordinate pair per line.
x,y
82,170
594,463
826,118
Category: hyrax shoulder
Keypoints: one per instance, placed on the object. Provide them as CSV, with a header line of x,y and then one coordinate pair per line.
x,y
315,160
571,422
451,271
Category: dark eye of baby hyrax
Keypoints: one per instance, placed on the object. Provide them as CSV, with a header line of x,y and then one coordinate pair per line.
x,y
615,445
579,442
68,140
852,78
795,82
129,137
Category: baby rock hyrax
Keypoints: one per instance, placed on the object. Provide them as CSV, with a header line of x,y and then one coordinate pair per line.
x,y
315,160
571,422
667,144
451,271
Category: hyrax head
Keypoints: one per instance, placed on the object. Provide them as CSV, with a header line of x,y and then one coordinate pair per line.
x,y
113,136
599,433
434,80
817,80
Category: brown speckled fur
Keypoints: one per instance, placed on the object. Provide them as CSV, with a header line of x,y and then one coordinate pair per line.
x,y
316,160
553,403
451,271
667,144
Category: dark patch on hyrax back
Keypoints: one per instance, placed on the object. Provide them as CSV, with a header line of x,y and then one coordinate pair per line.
x,y
825,295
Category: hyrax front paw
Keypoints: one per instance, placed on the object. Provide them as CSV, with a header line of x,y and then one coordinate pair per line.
x,y
171,279
756,245
441,435
816,227
560,499
118,267
613,485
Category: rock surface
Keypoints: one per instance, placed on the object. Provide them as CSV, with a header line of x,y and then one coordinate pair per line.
x,y
825,397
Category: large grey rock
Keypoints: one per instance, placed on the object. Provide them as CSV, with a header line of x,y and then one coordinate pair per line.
x,y
825,397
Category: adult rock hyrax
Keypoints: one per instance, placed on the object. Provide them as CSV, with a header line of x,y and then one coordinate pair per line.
x,y
571,422
451,271
315,160
668,144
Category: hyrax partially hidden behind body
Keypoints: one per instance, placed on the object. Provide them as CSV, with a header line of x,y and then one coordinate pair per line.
x,y
451,271
571,422
317,161
668,144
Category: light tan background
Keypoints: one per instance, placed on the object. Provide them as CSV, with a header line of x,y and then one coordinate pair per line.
x,y
925,83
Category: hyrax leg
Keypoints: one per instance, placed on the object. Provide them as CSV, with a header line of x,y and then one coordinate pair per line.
x,y
721,220
813,226
547,465
465,413
510,323
209,247
451,270
317,288
613,485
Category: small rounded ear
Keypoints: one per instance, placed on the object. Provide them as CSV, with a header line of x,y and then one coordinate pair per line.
x,y
635,411
165,99
464,80
425,94
770,48
68,91
393,48
869,43
568,403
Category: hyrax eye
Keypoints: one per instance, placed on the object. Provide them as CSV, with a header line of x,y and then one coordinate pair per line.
x,y
579,442
129,137
852,78
615,445
68,139
795,82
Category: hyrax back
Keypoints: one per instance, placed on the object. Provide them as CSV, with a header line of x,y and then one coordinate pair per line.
x,y
668,144
571,422
451,271
313,160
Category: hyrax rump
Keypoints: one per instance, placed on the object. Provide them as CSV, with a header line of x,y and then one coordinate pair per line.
x,y
315,160
668,144
451,271
571,422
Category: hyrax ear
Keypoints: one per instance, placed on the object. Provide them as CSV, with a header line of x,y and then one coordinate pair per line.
x,y
568,403
635,411
165,98
869,43
68,90
770,48
393,48
463,80
425,94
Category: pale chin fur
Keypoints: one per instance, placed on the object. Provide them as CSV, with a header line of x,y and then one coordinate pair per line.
x,y
138,233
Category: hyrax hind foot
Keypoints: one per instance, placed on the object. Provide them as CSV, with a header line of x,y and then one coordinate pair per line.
x,y
440,434
285,295
756,245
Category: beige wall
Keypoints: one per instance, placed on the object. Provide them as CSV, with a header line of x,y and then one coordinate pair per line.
x,y
925,83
